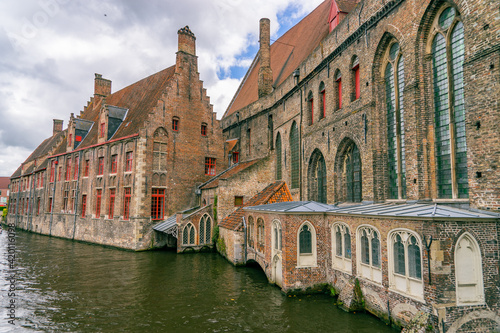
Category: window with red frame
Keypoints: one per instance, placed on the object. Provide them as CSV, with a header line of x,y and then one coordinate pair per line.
x,y
157,202
323,100
52,170
68,168
338,90
126,203
111,211
203,129
98,203
100,166
84,204
355,69
236,157
75,172
103,130
210,166
130,158
42,174
86,170
114,163
175,124
50,205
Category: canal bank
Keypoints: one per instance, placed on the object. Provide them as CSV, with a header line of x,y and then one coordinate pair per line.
x,y
71,286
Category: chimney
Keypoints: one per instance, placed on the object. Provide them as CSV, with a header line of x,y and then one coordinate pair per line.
x,y
265,73
57,127
102,87
186,41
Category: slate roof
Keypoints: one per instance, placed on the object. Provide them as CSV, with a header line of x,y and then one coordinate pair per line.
x,y
228,173
287,53
273,193
417,210
167,224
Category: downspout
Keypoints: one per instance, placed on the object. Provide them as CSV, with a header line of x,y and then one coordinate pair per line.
x,y
76,192
245,239
53,197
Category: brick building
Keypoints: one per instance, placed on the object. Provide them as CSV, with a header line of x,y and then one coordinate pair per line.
x,y
381,118
127,161
4,192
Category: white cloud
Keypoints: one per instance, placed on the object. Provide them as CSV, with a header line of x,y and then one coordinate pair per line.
x,y
52,48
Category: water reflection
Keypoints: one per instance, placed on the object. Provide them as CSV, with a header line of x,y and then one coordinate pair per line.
x,y
67,286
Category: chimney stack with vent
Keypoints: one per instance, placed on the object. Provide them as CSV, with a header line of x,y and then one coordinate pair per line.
x,y
265,72
102,87
186,41
57,127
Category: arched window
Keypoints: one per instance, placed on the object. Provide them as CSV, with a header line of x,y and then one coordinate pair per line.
x,y
294,151
468,271
160,137
356,85
449,110
350,169
341,247
306,240
276,236
338,90
322,101
317,177
369,263
205,229
394,87
250,232
260,235
405,263
310,107
278,157
188,235
270,131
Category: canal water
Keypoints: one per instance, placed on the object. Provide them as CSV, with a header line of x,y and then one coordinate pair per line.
x,y
65,286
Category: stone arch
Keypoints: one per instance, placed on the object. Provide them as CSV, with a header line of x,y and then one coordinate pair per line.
x,y
316,177
479,314
468,271
160,133
348,172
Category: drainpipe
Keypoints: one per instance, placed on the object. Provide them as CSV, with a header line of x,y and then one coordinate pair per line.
x,y
245,238
53,197
76,192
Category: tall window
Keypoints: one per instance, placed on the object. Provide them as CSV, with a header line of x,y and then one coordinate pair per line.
x,y
65,201
250,235
126,203
204,129
341,240
157,203
129,161
306,240
205,230
103,130
351,169
449,112
87,167
278,157
175,124
405,262
468,271
276,236
159,156
188,235
100,165
322,100
394,87
294,151
98,203
310,107
369,263
260,234
50,205
114,163
317,177
355,76
210,166
84,204
111,211
76,170
249,141
68,168
338,90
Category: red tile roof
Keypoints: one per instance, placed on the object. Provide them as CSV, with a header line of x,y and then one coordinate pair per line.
x,y
275,192
287,53
228,173
4,183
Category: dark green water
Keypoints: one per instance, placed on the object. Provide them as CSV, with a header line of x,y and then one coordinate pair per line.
x,y
65,286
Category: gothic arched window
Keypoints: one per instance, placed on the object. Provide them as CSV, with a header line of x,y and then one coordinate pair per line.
x,y
294,151
278,157
317,177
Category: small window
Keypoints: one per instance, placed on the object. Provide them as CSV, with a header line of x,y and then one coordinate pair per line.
x,y
235,157
100,166
49,209
306,240
70,138
129,160
175,124
238,201
204,129
249,141
114,163
205,230
188,235
209,166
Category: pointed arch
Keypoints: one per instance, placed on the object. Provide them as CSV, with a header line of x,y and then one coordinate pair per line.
x,y
188,234
295,155
348,172
316,177
278,157
306,245
468,271
205,229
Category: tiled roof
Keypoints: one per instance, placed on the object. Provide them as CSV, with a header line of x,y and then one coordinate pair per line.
x,y
228,173
275,192
4,182
287,53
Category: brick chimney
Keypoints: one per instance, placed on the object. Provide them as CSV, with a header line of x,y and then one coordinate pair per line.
x,y
265,73
57,127
102,87
186,41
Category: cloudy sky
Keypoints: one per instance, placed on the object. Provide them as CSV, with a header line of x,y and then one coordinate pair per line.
x,y
50,50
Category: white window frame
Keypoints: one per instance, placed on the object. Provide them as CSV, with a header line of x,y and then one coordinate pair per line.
x,y
341,262
475,267
186,227
368,271
307,259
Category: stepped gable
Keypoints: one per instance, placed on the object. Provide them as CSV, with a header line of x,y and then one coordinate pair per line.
x,y
287,53
139,98
273,193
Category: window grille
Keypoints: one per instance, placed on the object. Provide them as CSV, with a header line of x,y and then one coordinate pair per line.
x,y
114,163
203,129
129,160
126,203
353,173
157,203
111,203
305,240
159,156
317,177
98,203
84,205
100,168
210,166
